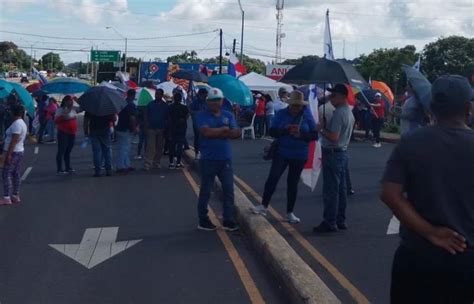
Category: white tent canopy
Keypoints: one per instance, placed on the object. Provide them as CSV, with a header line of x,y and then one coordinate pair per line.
x,y
257,82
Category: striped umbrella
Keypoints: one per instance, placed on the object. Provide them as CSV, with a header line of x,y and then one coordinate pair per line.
x,y
145,96
102,101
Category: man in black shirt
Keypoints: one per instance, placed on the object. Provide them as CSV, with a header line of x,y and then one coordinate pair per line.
x,y
127,125
98,130
429,185
178,117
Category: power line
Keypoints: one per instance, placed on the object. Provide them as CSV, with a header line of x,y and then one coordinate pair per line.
x,y
83,50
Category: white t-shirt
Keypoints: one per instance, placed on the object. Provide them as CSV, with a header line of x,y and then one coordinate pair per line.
x,y
17,127
278,105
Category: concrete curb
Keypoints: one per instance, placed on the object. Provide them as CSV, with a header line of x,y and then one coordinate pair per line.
x,y
361,135
299,281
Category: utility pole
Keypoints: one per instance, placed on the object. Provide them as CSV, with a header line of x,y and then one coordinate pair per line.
x,y
233,46
344,49
242,35
279,35
220,52
31,60
125,56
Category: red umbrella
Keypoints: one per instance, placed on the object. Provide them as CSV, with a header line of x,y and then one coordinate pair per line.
x,y
131,84
34,87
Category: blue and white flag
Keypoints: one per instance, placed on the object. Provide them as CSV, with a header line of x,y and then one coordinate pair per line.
x,y
417,65
328,50
40,77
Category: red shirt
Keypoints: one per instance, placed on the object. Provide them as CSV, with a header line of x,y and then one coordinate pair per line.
x,y
260,110
380,111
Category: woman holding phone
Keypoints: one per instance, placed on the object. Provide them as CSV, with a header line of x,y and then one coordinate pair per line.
x,y
294,128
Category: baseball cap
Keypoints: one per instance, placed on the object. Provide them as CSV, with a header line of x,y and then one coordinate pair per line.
x,y
339,88
451,90
215,94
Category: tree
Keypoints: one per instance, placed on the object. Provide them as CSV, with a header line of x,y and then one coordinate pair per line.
x,y
385,65
52,61
12,57
77,67
304,59
186,57
254,65
451,55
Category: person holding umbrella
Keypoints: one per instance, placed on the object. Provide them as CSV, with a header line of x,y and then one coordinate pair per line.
x,y
156,121
66,122
126,126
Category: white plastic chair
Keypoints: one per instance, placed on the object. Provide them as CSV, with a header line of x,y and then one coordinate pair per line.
x,y
250,128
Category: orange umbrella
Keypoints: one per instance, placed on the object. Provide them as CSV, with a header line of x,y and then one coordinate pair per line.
x,y
384,89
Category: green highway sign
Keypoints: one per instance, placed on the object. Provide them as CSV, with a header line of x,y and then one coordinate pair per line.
x,y
105,56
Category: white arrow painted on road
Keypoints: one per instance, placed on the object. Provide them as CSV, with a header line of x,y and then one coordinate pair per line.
x,y
97,246
393,226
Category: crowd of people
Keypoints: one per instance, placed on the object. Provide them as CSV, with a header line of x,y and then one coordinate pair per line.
x,y
428,180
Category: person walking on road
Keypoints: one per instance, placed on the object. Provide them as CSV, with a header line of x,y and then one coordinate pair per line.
x,y
378,118
178,118
429,185
260,116
198,105
156,117
269,114
66,122
336,135
141,132
293,128
13,150
50,122
124,130
217,127
98,130
41,112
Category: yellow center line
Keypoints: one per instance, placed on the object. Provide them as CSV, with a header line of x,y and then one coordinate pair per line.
x,y
358,296
247,280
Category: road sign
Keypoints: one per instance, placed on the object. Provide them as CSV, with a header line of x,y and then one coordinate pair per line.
x,y
105,56
97,246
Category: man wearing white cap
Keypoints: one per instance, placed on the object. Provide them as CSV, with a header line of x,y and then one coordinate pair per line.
x,y
378,118
216,128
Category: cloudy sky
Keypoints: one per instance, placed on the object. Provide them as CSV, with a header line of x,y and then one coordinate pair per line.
x,y
172,26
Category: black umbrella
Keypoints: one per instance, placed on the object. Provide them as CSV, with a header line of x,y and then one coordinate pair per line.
x,y
325,71
420,85
190,75
102,101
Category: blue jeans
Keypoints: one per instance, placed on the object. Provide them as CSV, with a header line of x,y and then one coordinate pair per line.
x,y
334,187
177,142
268,124
102,151
124,142
223,170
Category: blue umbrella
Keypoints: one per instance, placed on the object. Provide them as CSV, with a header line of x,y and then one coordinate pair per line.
x,y
420,85
5,88
65,86
234,90
25,98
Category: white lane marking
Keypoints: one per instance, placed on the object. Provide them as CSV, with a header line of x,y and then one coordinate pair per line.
x,y
393,226
97,246
37,150
267,139
27,172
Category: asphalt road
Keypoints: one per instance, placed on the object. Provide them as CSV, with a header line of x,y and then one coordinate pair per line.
x,y
363,254
166,260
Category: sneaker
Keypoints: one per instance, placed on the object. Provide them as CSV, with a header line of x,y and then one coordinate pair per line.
x,y
15,199
179,166
379,145
198,156
138,157
230,226
5,201
292,219
324,228
350,192
342,226
61,173
206,225
71,171
172,166
260,209
50,142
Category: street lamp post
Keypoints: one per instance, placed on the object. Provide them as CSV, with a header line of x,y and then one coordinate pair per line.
x,y
126,45
242,35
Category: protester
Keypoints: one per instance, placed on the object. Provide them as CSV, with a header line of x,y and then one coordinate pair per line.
x,y
413,115
98,130
197,105
336,136
428,184
124,130
13,154
378,118
50,123
141,132
280,102
245,117
294,128
41,112
66,122
260,116
178,117
156,116
269,113
216,127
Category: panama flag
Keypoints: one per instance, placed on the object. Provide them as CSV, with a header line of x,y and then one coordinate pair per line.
x,y
37,75
313,166
417,64
235,68
328,50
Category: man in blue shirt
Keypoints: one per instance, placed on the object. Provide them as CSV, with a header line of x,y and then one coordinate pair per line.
x,y
156,120
198,105
216,128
